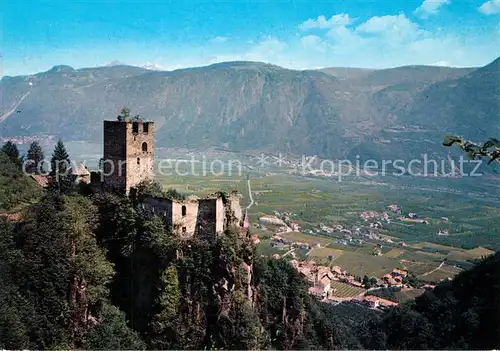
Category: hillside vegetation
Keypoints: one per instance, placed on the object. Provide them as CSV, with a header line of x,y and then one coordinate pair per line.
x,y
15,188
90,272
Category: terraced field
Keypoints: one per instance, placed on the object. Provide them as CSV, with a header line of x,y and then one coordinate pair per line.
x,y
305,238
434,256
405,295
361,264
419,268
479,252
393,253
325,252
344,290
424,244
440,274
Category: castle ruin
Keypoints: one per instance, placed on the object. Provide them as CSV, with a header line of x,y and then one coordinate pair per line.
x,y
129,160
128,154
202,217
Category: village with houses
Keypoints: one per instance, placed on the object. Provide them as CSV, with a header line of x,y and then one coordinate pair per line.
x,y
369,229
334,283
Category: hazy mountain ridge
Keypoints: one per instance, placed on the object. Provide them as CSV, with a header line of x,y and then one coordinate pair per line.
x,y
250,105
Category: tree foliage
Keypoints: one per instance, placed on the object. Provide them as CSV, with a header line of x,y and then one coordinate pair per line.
x,y
113,333
61,169
489,149
60,162
34,159
164,323
10,149
388,293
56,279
15,188
125,115
155,189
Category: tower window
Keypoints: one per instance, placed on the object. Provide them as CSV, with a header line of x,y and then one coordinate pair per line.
x,y
138,161
135,127
144,147
183,211
145,127
183,230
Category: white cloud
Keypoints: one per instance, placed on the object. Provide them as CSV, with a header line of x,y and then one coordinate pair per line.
x,y
341,19
218,39
390,30
310,40
270,46
378,42
313,43
337,27
348,48
490,7
268,50
388,25
429,8
343,36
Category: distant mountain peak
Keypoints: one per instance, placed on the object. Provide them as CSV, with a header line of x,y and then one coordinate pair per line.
x,y
255,105
115,63
493,65
253,65
62,68
154,67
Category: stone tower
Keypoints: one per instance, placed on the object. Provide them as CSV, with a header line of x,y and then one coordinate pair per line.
x,y
128,154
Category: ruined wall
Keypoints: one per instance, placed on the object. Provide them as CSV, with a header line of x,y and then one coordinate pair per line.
x,y
220,224
114,155
184,214
235,207
128,154
210,219
160,207
201,217
139,153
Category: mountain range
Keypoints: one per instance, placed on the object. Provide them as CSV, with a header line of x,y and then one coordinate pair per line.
x,y
333,112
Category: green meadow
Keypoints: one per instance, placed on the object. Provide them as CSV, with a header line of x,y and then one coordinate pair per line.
x,y
473,225
473,221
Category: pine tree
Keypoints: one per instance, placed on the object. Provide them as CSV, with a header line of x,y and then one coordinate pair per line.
x,y
366,282
10,149
58,233
165,324
61,168
35,157
60,163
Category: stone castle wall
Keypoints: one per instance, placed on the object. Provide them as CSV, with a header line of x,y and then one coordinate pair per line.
x,y
129,159
140,153
128,154
207,217
114,154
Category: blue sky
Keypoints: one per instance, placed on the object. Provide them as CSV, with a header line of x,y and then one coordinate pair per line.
x,y
36,35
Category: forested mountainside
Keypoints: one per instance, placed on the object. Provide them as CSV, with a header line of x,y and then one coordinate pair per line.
x,y
335,112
